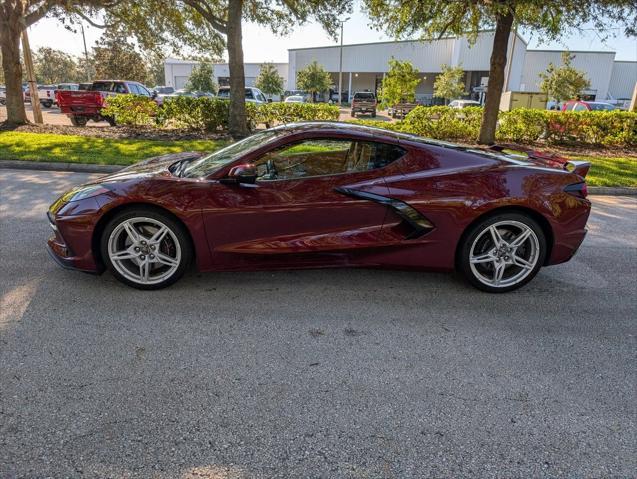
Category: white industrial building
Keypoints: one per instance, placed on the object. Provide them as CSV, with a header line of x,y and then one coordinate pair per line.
x,y
364,66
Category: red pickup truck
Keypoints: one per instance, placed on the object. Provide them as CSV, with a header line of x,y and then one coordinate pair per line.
x,y
84,105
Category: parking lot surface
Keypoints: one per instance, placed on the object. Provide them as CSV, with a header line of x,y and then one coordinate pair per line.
x,y
331,373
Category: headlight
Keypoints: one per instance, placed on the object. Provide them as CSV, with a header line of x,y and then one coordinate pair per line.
x,y
76,194
83,192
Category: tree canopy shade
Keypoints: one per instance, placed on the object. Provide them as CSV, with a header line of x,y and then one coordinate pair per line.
x,y
201,79
269,81
449,84
565,82
435,18
313,79
399,85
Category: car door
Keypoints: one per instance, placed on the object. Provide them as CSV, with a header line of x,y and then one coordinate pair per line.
x,y
303,211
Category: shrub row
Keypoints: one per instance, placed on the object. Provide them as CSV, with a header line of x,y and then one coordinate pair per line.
x,y
609,128
209,114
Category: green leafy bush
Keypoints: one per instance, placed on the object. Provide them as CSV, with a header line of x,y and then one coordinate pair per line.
x,y
608,129
273,113
132,110
202,113
522,125
445,123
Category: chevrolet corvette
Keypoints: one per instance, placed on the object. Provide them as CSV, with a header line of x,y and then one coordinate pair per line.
x,y
322,194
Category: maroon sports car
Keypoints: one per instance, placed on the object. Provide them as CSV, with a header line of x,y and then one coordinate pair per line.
x,y
311,195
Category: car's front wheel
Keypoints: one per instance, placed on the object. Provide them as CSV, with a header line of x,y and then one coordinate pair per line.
x,y
145,249
503,252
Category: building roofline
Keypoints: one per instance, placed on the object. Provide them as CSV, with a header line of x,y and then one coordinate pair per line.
x,y
418,40
181,60
625,61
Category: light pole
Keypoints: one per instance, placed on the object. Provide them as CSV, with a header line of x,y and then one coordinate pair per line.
x,y
87,67
340,66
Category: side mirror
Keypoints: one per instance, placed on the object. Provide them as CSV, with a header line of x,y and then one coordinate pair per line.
x,y
269,100
153,94
246,173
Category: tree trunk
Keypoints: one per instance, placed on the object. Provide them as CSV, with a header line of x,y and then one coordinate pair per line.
x,y
496,78
238,122
10,30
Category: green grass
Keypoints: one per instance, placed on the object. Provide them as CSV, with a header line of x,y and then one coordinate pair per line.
x,y
85,149
610,170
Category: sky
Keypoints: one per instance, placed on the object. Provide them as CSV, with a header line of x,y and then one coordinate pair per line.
x,y
260,45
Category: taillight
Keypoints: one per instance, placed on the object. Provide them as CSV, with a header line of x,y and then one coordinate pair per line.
x,y
577,189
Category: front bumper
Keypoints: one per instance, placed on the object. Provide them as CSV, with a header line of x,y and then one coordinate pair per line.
x,y
70,244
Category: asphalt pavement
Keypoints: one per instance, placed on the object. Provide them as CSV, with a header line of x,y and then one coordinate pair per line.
x,y
319,374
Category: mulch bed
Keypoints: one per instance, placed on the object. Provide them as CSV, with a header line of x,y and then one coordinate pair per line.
x,y
118,132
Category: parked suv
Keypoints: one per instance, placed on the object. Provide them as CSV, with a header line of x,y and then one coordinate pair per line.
x,y
253,95
364,102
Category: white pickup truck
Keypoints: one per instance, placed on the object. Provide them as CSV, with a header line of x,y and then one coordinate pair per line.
x,y
46,93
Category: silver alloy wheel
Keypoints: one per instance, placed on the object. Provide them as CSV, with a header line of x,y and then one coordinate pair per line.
x,y
144,250
504,254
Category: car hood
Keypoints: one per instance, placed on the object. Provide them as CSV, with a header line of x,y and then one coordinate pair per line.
x,y
150,167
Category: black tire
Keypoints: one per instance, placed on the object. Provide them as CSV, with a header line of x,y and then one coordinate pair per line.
x,y
179,232
374,114
78,120
352,114
47,104
480,228
110,120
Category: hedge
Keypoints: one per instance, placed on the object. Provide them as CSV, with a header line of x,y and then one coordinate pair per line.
x,y
209,114
598,128
134,110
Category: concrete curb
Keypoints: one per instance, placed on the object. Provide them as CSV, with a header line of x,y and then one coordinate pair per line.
x,y
49,166
87,168
612,190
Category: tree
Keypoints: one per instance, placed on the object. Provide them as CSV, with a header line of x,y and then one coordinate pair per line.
x,y
15,16
403,18
269,81
114,57
194,23
313,79
399,84
565,82
156,71
54,66
449,84
201,79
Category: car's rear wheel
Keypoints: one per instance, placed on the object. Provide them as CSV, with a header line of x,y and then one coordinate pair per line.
x,y
145,249
503,252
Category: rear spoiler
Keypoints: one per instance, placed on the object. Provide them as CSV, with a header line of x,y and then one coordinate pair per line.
x,y
550,159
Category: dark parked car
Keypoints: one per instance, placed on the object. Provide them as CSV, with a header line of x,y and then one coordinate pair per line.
x,y
311,195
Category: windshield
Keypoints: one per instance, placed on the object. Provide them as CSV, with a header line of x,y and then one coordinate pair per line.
x,y
207,165
363,96
601,106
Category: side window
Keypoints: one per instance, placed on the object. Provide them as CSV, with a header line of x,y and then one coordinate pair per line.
x,y
320,157
569,106
579,107
249,95
142,90
262,97
120,88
